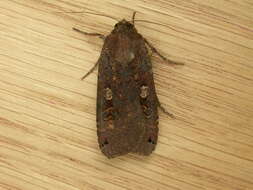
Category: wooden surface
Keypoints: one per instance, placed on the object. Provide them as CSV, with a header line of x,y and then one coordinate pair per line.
x,y
47,114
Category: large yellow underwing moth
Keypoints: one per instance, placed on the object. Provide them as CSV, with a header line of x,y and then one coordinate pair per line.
x,y
127,103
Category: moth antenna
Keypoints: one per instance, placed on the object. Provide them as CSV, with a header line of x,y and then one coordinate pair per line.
x,y
88,13
133,17
157,24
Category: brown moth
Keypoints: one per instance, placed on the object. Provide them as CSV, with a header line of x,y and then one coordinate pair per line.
x,y
127,104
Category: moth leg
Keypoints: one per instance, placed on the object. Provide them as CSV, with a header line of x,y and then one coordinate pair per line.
x,y
153,49
164,110
90,34
90,71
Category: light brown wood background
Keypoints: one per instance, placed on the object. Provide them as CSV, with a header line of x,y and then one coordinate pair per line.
x,y
47,114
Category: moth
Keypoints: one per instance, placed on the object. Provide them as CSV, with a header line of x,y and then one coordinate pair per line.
x,y
127,103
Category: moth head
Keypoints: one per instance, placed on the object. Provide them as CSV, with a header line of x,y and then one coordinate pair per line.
x,y
124,27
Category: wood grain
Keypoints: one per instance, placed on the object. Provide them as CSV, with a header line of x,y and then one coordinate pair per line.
x,y
47,114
